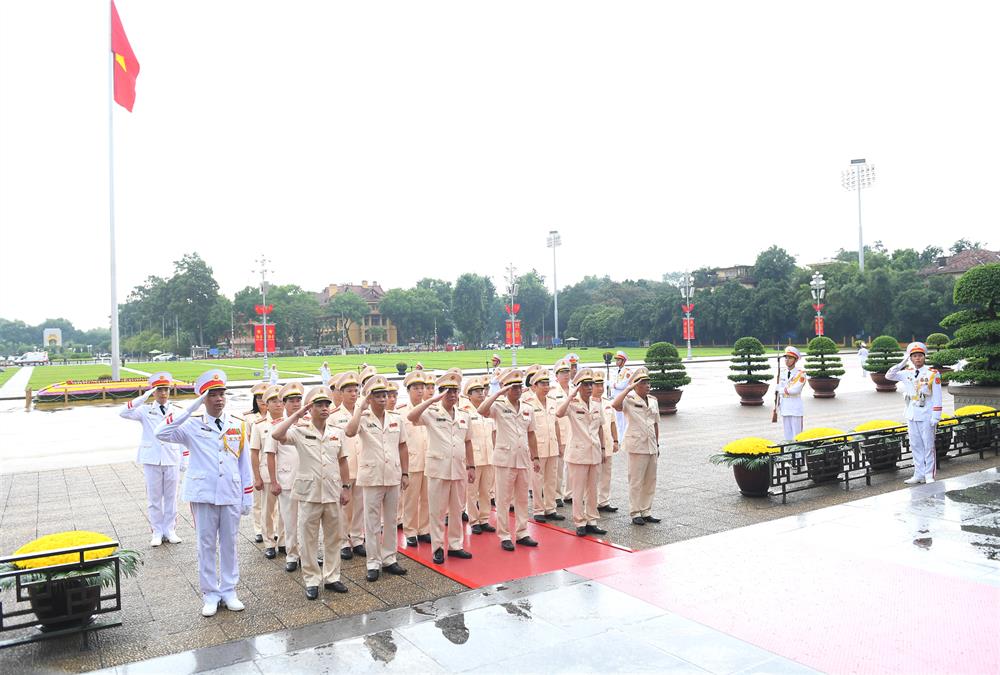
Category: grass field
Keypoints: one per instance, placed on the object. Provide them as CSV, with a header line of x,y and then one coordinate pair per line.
x,y
308,366
7,374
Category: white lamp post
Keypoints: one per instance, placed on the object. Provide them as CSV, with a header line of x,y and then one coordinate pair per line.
x,y
817,287
553,241
512,292
687,290
860,175
262,263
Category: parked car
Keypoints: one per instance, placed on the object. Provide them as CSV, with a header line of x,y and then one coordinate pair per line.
x,y
165,356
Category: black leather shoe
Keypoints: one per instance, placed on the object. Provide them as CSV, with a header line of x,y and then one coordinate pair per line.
x,y
259,538
560,503
312,592
438,557
346,553
359,550
511,509
651,519
594,529
372,575
493,502
638,521
540,519
281,550
336,587
555,516
465,517
394,568
459,553
477,529
527,541
291,565
488,528
507,545
411,541
581,532
426,538
269,553
568,500
607,508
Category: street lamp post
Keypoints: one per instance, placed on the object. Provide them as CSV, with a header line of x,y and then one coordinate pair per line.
x,y
687,290
512,292
817,287
553,241
262,263
860,175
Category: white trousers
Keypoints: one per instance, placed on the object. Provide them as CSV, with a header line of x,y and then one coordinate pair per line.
x,y
217,527
922,446
161,493
289,510
381,505
621,423
792,426
446,498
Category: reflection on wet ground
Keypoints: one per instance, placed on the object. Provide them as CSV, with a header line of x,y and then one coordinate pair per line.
x,y
382,646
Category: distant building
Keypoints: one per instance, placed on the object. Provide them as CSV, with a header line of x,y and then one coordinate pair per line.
x,y
960,263
51,337
374,329
717,276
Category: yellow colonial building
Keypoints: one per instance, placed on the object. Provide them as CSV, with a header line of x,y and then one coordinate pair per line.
x,y
374,329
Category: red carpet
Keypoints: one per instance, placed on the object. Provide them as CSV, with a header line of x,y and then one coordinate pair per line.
x,y
557,549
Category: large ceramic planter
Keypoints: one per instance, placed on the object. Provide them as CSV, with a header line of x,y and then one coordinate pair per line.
x,y
882,384
401,370
751,393
882,452
65,603
823,387
825,465
753,482
971,394
667,400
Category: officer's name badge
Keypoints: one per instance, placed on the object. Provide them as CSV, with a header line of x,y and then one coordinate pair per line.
x,y
394,425
311,438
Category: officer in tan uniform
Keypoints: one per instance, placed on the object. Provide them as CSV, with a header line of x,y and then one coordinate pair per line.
x,y
558,394
260,437
429,381
514,457
382,472
353,541
481,429
416,519
550,445
251,417
392,400
611,444
282,465
584,451
642,443
367,372
320,487
450,464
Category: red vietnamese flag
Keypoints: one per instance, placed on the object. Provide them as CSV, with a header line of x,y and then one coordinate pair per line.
x,y
125,65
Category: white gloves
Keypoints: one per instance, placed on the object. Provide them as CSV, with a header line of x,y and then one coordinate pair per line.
x,y
247,508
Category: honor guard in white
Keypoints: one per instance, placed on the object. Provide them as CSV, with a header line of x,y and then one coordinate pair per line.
x,y
382,473
282,465
219,485
619,380
642,443
793,379
450,464
260,439
584,451
161,461
320,487
863,358
922,391
494,375
515,455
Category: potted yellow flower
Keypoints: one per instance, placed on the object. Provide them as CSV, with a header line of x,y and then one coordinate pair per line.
x,y
882,449
823,463
751,462
976,432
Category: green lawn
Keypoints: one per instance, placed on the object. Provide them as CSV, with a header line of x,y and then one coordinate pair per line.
x,y
7,374
43,376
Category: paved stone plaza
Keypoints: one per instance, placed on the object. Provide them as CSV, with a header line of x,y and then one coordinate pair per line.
x,y
161,607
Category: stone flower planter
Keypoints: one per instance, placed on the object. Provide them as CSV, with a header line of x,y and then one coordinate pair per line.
x,y
882,384
753,482
970,394
824,387
64,603
751,393
667,400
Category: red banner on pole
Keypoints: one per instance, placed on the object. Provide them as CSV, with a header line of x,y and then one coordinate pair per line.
x,y
258,337
818,306
818,325
688,327
263,309
513,333
688,308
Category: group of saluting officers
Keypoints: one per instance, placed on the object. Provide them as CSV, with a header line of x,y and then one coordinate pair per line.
x,y
330,473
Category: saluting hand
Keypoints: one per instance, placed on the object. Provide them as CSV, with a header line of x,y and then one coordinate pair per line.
x,y
438,397
364,403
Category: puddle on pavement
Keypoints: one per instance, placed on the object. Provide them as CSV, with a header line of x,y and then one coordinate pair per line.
x,y
382,646
521,609
982,495
454,629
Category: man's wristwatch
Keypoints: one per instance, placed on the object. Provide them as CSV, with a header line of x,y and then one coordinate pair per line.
x,y
346,486
406,474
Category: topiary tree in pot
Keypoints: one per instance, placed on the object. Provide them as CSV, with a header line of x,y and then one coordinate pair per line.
x,y
977,337
823,367
884,354
666,375
937,357
751,371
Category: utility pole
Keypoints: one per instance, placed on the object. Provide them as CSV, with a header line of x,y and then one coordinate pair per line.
x,y
512,291
262,264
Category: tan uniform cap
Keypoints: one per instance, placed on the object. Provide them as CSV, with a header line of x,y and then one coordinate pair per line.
x,y
348,379
366,372
640,373
274,391
512,376
561,365
259,388
413,377
291,389
450,380
375,384
317,394
584,375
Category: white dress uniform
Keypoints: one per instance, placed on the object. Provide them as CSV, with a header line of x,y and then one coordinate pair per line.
x,y
161,462
620,384
219,485
790,401
863,357
922,390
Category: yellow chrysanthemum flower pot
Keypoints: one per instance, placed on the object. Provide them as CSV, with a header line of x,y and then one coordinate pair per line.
x,y
750,459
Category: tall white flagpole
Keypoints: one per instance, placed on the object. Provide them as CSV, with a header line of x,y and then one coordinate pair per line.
x,y
115,351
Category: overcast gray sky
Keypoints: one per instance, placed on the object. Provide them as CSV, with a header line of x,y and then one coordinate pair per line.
x,y
396,140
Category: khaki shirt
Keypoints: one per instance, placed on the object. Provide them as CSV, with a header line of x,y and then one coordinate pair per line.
x,y
286,460
318,478
641,421
513,426
557,396
446,436
352,446
416,439
585,420
481,433
378,464
545,424
260,439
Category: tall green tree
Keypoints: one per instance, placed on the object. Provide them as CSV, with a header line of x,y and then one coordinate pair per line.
x,y
350,308
470,308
